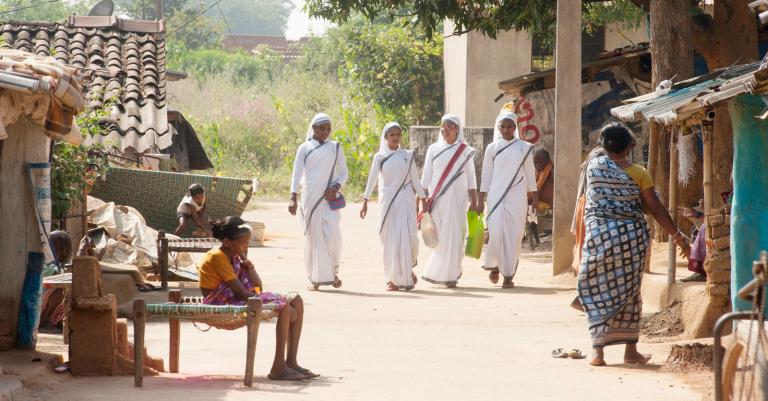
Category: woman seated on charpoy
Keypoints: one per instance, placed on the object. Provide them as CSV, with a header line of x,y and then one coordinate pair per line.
x,y
227,277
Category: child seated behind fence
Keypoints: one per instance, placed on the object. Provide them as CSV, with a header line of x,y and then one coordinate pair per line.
x,y
193,210
227,277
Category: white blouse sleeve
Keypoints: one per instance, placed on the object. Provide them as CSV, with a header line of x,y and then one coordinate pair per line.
x,y
426,175
342,173
486,175
415,179
373,176
470,169
530,172
298,168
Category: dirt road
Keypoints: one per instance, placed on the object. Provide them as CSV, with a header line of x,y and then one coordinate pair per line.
x,y
477,342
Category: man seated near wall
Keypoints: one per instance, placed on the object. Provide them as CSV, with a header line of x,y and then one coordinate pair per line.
x,y
545,179
545,185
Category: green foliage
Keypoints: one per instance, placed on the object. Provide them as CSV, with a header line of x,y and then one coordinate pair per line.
x,y
185,28
243,67
623,12
387,63
251,110
33,10
257,17
75,168
490,17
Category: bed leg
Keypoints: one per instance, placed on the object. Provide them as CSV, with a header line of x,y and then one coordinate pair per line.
x,y
139,316
174,296
253,319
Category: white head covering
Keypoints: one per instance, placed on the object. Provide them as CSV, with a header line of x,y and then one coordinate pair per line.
x,y
456,120
318,119
383,146
504,115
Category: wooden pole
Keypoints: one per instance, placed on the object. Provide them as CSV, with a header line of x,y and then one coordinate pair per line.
x,y
162,258
159,9
567,130
673,169
706,137
254,319
139,317
174,296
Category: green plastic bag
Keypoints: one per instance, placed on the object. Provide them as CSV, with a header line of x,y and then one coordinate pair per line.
x,y
475,237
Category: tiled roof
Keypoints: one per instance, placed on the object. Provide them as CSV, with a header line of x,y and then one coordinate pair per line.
x,y
128,62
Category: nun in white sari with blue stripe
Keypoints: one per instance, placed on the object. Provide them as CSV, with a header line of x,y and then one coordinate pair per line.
x,y
320,170
395,171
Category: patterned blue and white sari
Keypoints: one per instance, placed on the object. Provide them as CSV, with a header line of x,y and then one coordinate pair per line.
x,y
613,256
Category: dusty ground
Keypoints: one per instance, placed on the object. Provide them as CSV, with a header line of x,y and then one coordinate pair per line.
x,y
475,342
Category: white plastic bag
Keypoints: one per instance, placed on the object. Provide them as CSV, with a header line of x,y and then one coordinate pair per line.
x,y
428,231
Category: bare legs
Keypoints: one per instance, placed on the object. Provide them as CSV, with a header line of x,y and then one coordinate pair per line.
x,y
297,321
631,356
288,331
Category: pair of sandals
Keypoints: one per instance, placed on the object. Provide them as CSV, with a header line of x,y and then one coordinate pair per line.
x,y
294,374
392,287
336,284
573,354
494,277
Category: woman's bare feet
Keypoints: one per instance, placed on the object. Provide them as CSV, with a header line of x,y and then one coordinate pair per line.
x,y
598,358
494,276
286,373
631,355
391,287
337,283
450,285
637,358
313,287
508,283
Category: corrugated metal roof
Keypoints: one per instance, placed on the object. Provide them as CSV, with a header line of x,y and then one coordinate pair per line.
x,y
689,95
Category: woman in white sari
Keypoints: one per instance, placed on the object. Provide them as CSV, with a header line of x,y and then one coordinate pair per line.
x,y
507,177
399,187
449,207
321,170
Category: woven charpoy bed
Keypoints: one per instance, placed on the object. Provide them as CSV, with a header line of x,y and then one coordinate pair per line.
x,y
227,317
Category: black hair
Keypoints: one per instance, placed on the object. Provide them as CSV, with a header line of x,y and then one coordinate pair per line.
x,y
616,137
542,153
60,239
230,227
195,189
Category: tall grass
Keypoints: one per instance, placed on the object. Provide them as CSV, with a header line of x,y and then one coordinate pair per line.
x,y
252,131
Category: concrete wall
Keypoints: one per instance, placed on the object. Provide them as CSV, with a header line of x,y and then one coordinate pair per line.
x,y
455,67
474,65
478,138
616,36
26,143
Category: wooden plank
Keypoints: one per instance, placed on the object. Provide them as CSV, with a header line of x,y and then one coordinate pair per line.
x,y
174,296
673,169
253,320
139,318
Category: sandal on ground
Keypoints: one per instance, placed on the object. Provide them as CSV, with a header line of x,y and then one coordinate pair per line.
x,y
576,354
559,353
308,374
508,284
337,283
313,287
494,276
391,287
287,374
450,285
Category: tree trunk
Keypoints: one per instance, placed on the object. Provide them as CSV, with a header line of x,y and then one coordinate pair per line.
x,y
730,38
672,56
